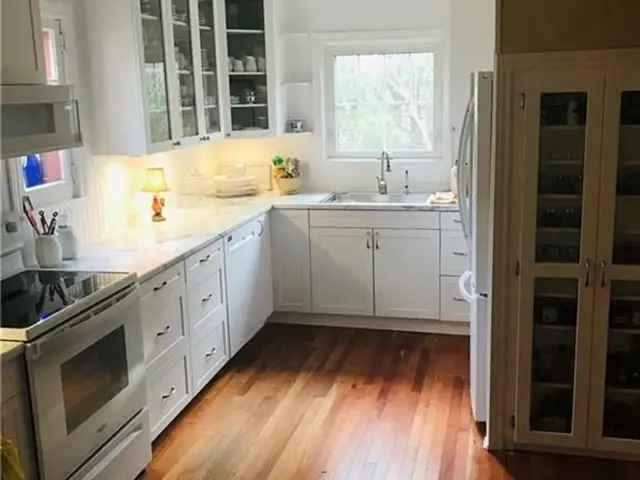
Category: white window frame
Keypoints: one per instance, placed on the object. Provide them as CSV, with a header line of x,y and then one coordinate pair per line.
x,y
372,43
63,190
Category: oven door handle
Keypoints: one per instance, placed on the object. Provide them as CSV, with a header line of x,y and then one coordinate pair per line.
x,y
106,309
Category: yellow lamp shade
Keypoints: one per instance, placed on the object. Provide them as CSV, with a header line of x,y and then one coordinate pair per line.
x,y
154,181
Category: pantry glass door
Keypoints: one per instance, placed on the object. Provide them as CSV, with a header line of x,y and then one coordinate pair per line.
x,y
616,377
210,113
561,122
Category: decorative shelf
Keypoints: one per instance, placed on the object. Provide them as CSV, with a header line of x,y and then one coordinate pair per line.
x,y
556,295
627,391
205,27
625,298
186,109
249,105
563,128
560,196
555,385
246,74
240,31
625,331
560,328
209,107
179,23
208,72
185,72
558,230
562,163
151,18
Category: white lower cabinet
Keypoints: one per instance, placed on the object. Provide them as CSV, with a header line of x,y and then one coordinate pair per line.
x,y
249,281
454,308
407,272
291,260
168,388
342,270
206,293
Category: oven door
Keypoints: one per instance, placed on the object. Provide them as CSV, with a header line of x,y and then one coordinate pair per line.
x,y
87,382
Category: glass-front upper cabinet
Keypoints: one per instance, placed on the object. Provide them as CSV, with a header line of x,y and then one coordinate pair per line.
x,y
155,71
615,396
561,119
209,66
247,39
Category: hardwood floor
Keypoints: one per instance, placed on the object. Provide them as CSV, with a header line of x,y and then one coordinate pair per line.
x,y
319,403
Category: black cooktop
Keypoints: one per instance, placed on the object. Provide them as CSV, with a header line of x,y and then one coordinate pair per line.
x,y
33,296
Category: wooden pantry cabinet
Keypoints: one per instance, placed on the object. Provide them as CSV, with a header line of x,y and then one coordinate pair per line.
x,y
576,210
167,74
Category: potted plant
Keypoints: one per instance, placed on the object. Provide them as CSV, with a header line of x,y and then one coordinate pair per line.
x,y
287,174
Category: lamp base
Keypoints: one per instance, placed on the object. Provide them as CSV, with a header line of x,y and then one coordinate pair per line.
x,y
158,218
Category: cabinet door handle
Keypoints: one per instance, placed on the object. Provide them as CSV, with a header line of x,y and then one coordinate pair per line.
x,y
603,279
368,241
177,143
205,259
460,300
161,286
166,330
207,299
261,232
170,394
587,272
460,254
457,220
211,353
377,241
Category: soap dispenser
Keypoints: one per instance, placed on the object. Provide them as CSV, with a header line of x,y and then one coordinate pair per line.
x,y
67,238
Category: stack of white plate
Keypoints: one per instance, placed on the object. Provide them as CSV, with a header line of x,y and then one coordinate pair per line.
x,y
226,186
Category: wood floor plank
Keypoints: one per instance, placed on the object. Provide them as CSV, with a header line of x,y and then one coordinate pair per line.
x,y
313,403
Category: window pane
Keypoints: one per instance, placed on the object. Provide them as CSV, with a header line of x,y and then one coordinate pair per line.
x,y
385,102
50,56
43,168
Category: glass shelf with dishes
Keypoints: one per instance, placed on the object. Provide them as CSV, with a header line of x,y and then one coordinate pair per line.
x,y
184,58
561,176
249,82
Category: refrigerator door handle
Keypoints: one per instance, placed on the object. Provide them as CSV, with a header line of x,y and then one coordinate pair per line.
x,y
462,171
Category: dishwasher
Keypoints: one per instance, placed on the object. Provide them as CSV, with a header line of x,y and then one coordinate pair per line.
x,y
249,281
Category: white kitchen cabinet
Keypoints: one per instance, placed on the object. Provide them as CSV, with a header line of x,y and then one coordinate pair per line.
x,y
407,273
162,303
154,72
249,281
455,258
342,270
22,56
207,306
15,407
291,260
453,307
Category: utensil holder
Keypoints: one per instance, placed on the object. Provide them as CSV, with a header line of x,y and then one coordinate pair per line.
x,y
48,251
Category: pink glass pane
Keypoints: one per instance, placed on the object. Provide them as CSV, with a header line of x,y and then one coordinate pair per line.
x,y
51,166
49,49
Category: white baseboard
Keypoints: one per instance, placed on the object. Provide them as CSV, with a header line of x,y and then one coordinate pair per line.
x,y
375,323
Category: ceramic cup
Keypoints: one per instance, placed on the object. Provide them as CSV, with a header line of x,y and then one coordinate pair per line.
x,y
262,64
48,251
250,64
238,66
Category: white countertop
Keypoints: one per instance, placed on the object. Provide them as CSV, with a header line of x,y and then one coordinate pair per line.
x,y
9,350
148,249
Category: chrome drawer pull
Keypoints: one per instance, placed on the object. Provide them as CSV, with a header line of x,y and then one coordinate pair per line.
x,y
167,396
207,299
457,220
166,330
458,299
460,254
161,286
205,259
211,353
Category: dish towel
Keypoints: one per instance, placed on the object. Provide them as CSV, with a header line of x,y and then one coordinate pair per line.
x,y
443,198
11,466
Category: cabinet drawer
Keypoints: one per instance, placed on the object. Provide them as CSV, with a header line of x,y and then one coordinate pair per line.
x,y
451,221
162,308
168,390
204,299
374,219
453,255
454,307
209,355
205,264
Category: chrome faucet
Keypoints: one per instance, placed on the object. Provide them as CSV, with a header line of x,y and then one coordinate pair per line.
x,y
382,182
406,190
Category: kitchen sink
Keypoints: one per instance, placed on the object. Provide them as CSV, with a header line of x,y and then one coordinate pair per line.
x,y
375,198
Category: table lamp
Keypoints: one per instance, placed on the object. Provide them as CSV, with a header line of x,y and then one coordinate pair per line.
x,y
155,182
